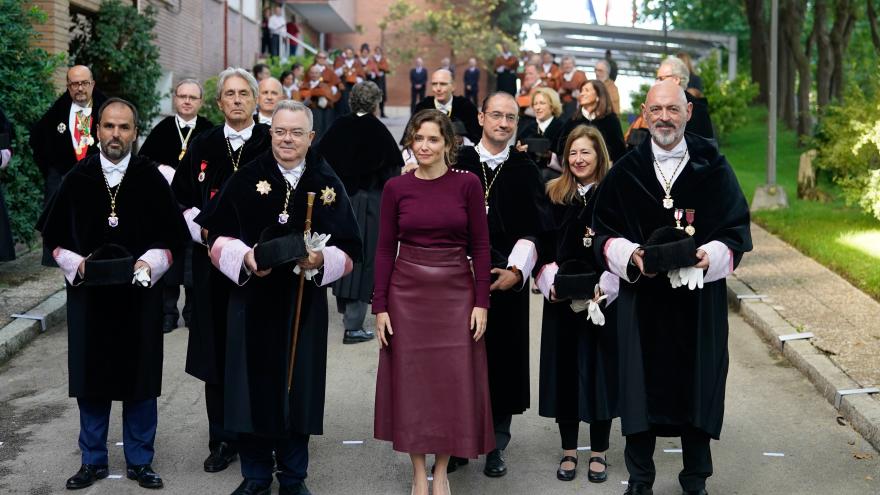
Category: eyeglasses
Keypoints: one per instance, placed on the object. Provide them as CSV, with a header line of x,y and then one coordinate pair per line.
x,y
188,97
282,133
79,84
665,77
510,117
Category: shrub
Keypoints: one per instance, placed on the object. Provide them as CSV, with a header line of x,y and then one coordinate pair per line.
x,y
26,91
117,44
728,100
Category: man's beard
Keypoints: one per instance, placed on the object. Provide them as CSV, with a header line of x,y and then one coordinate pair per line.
x,y
665,139
116,153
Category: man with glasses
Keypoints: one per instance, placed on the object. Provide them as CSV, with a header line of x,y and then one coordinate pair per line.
x,y
214,157
166,145
66,133
455,107
674,69
518,213
256,239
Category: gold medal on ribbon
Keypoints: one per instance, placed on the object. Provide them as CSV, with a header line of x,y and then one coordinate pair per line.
x,y
182,152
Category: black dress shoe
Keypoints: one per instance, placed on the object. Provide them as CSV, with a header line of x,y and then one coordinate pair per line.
x,y
145,476
357,336
169,324
454,464
220,458
495,466
638,489
87,474
598,476
701,491
567,474
297,489
250,487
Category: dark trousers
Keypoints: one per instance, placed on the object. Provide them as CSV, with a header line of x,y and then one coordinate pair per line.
x,y
416,95
380,81
139,419
214,405
291,457
170,295
474,96
501,423
354,311
600,432
696,454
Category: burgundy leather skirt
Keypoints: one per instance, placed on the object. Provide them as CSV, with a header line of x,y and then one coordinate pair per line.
x,y
432,388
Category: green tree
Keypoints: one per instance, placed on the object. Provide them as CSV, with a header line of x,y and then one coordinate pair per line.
x,y
509,15
117,44
26,91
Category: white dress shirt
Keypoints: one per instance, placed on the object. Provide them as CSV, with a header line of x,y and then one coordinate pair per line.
x,y
238,138
114,171
293,175
492,161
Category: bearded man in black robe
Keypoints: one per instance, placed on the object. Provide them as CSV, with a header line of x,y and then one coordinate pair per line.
x,y
209,162
112,227
258,242
672,325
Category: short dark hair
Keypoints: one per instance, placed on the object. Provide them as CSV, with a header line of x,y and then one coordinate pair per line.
x,y
258,68
118,101
493,95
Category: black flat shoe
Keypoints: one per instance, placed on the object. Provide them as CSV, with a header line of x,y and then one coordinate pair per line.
x,y
598,476
495,466
638,489
454,464
357,336
297,489
701,491
169,323
567,474
220,458
250,487
145,476
86,476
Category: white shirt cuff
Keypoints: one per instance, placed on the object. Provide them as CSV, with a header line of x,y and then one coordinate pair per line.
x,y
167,172
337,264
227,254
618,252
195,230
609,284
159,260
720,261
69,263
524,255
5,156
546,277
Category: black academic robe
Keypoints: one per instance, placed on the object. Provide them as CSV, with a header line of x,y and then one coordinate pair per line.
x,y
463,110
518,209
699,123
673,342
531,130
163,145
608,125
578,367
363,153
7,243
114,332
207,330
52,143
261,311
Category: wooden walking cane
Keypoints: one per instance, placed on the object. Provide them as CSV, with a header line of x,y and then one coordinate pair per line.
x,y
310,202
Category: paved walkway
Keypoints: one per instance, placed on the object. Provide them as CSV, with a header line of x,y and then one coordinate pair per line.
x,y
24,284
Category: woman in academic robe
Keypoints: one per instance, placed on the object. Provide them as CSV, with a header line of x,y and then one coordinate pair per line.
x,y
543,132
364,155
595,109
431,303
578,370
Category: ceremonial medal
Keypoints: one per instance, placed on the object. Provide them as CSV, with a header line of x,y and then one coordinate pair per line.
x,y
328,196
113,220
282,218
263,187
689,216
61,128
668,202
678,213
202,168
489,183
667,183
182,152
183,140
588,237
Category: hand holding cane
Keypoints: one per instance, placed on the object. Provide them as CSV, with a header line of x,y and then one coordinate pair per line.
x,y
310,202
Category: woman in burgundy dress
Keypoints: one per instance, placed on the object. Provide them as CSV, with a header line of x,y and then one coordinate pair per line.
x,y
432,392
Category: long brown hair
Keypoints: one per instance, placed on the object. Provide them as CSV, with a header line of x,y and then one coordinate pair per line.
x,y
564,189
442,120
603,106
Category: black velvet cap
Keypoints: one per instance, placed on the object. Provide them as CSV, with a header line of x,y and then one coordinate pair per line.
x,y
575,280
278,245
669,248
110,264
538,145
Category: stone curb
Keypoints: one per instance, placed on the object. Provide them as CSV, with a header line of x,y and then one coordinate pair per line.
x,y
862,412
19,332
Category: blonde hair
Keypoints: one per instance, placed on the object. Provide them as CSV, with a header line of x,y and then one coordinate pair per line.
x,y
552,98
563,189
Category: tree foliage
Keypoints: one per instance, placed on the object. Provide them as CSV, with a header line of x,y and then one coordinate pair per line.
x,y
728,100
117,44
26,91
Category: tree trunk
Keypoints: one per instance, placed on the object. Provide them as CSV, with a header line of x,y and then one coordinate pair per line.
x,y
786,78
823,54
794,24
844,22
759,46
872,22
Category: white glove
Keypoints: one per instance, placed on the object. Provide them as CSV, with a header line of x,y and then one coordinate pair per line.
x,y
578,305
314,242
594,313
691,276
322,102
141,277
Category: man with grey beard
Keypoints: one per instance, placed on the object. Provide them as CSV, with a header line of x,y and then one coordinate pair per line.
x,y
671,207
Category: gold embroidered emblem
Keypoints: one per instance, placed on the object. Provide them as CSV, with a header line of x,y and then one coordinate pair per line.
x,y
328,196
263,187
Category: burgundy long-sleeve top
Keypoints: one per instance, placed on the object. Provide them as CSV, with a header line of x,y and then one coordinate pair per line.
x,y
448,211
